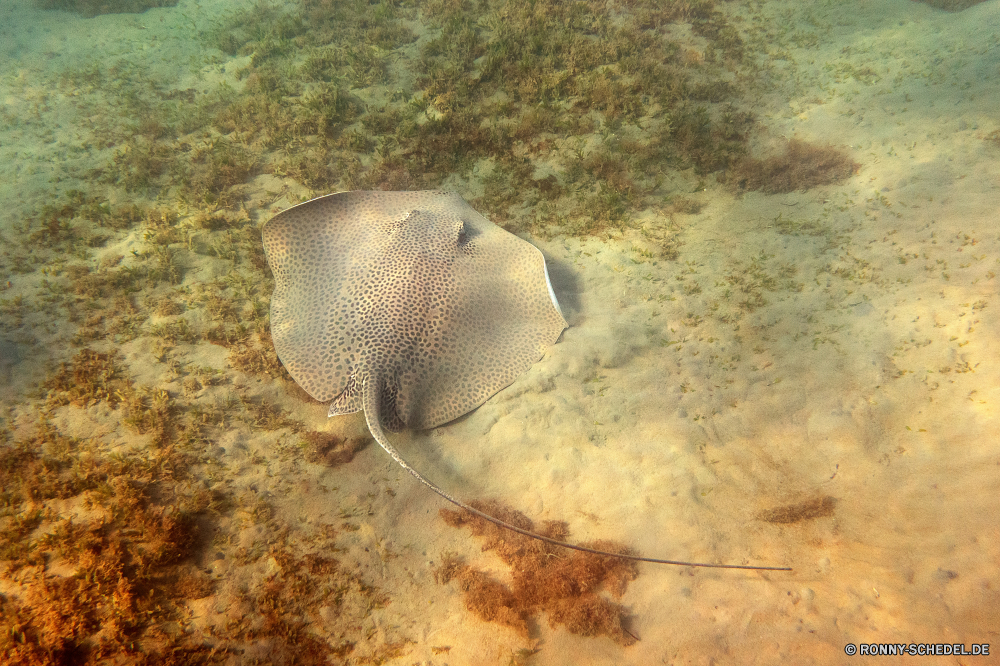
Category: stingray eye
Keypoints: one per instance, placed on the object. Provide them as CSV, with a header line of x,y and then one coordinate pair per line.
x,y
463,236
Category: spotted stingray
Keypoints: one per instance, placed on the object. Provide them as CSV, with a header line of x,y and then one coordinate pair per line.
x,y
412,307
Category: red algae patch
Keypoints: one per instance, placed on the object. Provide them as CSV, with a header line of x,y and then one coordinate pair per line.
x,y
564,584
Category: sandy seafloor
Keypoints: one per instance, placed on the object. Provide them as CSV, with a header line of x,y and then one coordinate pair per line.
x,y
654,424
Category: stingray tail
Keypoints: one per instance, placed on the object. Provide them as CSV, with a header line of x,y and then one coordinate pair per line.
x,y
371,398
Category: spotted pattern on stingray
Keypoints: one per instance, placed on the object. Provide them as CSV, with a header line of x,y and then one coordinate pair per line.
x,y
415,288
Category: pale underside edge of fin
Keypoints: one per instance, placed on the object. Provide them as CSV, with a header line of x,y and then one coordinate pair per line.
x,y
552,293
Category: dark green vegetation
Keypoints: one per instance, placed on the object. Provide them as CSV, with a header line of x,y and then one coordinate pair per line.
x,y
952,5
552,117
562,114
95,7
558,117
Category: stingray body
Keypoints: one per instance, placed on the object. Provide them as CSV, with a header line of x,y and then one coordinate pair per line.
x,y
410,306
438,306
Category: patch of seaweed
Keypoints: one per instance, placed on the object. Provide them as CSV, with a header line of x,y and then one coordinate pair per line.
x,y
256,357
95,7
500,84
951,5
564,584
817,507
328,449
802,166
129,562
111,580
89,377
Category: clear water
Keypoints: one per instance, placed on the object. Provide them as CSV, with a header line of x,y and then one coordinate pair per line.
x,y
804,379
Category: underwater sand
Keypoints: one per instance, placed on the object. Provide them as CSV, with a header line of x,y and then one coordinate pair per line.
x,y
868,374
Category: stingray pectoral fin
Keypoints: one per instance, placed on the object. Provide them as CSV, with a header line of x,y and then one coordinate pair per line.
x,y
548,284
370,398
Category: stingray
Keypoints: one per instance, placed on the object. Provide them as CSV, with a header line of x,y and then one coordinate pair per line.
x,y
411,307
